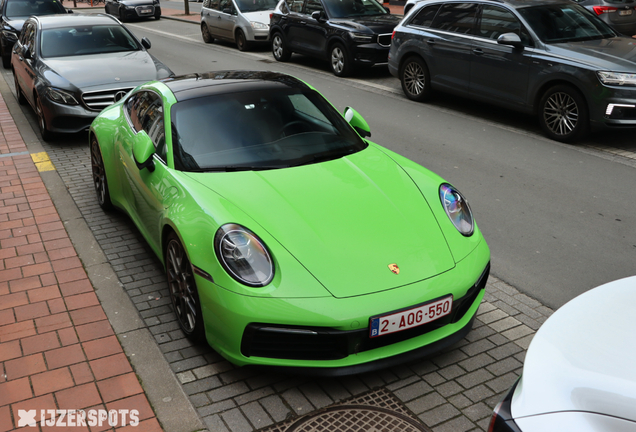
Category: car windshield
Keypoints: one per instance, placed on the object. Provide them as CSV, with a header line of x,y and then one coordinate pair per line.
x,y
23,9
353,8
261,129
256,5
83,40
565,22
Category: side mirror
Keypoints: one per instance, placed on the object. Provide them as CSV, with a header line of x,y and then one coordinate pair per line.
x,y
511,39
318,16
143,149
145,42
357,122
387,9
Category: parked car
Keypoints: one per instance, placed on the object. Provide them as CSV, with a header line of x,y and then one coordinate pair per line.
x,y
579,370
289,239
551,58
71,67
131,9
242,21
409,5
619,14
344,32
13,13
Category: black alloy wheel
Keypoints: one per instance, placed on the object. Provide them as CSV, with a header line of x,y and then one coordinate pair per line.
x,y
18,91
340,60
39,112
279,48
205,33
183,289
241,41
157,15
563,114
415,79
99,176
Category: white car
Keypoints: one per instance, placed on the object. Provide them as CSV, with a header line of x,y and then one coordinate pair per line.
x,y
580,369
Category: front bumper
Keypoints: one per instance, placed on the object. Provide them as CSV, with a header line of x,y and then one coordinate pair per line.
x,y
613,107
370,54
234,323
66,118
136,12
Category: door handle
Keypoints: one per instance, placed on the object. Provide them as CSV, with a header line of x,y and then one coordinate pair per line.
x,y
431,41
478,51
303,22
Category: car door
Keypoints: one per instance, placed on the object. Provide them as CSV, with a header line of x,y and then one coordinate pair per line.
x,y
450,43
26,58
227,19
314,33
211,16
294,26
147,190
499,73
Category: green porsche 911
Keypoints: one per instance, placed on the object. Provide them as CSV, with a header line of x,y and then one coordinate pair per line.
x,y
288,238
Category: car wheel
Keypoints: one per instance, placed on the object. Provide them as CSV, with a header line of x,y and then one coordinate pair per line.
x,y
99,176
341,64
18,91
279,48
205,33
39,112
415,79
241,41
6,60
183,289
158,15
563,113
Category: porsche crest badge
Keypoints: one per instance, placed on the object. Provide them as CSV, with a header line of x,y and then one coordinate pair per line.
x,y
394,268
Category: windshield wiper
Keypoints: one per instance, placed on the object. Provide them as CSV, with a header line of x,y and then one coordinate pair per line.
x,y
234,168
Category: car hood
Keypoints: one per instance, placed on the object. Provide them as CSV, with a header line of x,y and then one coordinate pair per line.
x,y
582,357
614,54
15,24
377,24
258,16
124,69
344,220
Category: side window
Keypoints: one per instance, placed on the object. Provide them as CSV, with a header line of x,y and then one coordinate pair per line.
x,y
312,6
145,111
225,4
27,37
213,4
425,16
456,18
306,107
495,21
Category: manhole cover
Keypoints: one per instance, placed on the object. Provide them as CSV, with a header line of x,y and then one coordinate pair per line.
x,y
356,418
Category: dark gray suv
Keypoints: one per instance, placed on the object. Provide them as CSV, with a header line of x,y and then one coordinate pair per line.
x,y
552,58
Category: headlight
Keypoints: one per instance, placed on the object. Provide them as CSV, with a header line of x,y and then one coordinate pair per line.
x,y
361,37
457,209
243,255
259,26
60,96
617,78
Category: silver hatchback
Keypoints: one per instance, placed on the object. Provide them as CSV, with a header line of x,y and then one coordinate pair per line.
x,y
242,21
619,14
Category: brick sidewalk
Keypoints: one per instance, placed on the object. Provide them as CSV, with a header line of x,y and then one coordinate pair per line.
x,y
57,348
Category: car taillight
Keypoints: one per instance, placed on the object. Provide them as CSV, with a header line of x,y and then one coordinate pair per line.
x,y
493,419
270,16
599,10
393,35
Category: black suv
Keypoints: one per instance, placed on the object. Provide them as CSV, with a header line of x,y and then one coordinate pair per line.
x,y
552,58
345,32
14,13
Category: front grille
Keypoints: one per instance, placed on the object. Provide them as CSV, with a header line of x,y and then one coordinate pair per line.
x,y
320,343
385,39
99,100
140,8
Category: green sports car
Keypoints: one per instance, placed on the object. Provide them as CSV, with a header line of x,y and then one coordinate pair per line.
x,y
288,238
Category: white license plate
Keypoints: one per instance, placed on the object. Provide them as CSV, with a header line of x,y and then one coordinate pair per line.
x,y
146,10
625,12
406,319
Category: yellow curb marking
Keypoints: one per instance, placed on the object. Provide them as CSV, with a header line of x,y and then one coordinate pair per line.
x,y
42,161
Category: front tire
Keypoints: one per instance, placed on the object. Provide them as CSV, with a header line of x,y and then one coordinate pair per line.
x,y
205,33
47,135
279,48
183,290
415,79
241,42
18,91
340,60
563,114
99,176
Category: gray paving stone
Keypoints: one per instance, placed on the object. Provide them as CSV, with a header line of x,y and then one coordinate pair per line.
x,y
478,393
423,367
504,366
202,385
474,378
476,362
434,378
254,395
187,364
412,391
449,358
451,372
227,391
439,414
460,401
214,423
477,347
504,351
216,408
502,383
317,397
504,324
524,342
275,407
458,424
527,300
477,412
402,383
199,400
236,421
335,390
256,415
297,401
449,388
426,403
493,316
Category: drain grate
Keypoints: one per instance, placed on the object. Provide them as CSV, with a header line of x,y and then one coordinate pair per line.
x,y
374,411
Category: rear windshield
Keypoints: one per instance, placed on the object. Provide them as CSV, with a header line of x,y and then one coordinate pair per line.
x,y
256,130
24,9
84,40
564,22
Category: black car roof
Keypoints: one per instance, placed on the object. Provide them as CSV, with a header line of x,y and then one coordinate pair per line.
x,y
512,3
218,82
63,20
